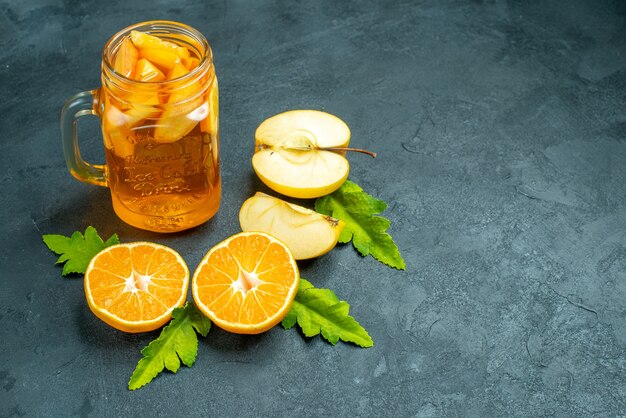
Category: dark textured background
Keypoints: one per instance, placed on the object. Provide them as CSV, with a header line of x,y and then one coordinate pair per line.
x,y
500,128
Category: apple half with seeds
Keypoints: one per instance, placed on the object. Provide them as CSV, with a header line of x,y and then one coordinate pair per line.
x,y
300,153
306,233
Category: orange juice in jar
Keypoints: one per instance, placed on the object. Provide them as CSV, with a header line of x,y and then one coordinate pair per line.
x,y
158,106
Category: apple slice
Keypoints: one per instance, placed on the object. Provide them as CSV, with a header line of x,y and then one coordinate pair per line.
x,y
145,40
191,62
116,136
146,71
307,233
210,124
163,58
125,59
182,113
298,153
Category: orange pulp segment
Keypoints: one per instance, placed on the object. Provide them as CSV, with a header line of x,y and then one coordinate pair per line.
x,y
247,283
134,287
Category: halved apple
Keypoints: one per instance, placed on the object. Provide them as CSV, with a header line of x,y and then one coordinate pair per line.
x,y
307,233
296,153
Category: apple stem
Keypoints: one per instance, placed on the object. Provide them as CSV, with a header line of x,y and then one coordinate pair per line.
x,y
310,148
362,151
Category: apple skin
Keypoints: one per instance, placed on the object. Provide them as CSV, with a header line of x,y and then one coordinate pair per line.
x,y
293,190
302,173
306,233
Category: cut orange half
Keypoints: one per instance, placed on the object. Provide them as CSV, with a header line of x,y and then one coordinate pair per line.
x,y
247,283
135,287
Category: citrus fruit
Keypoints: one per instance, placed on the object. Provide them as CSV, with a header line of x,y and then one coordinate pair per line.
x,y
246,284
307,233
294,153
134,287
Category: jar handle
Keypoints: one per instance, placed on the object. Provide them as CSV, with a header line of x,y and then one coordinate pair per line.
x,y
81,104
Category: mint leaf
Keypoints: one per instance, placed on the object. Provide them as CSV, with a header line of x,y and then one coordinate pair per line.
x,y
320,311
366,231
78,250
177,342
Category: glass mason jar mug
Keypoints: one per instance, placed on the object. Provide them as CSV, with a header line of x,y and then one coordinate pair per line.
x,y
158,107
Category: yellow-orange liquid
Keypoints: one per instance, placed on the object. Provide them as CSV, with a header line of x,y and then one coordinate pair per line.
x,y
166,187
162,159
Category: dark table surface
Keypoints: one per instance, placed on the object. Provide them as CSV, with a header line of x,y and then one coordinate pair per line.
x,y
501,133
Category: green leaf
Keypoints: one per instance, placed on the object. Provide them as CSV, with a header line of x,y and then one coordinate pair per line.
x,y
177,342
366,231
320,311
78,250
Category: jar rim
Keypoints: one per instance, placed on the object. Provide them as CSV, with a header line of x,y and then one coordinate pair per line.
x,y
206,60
